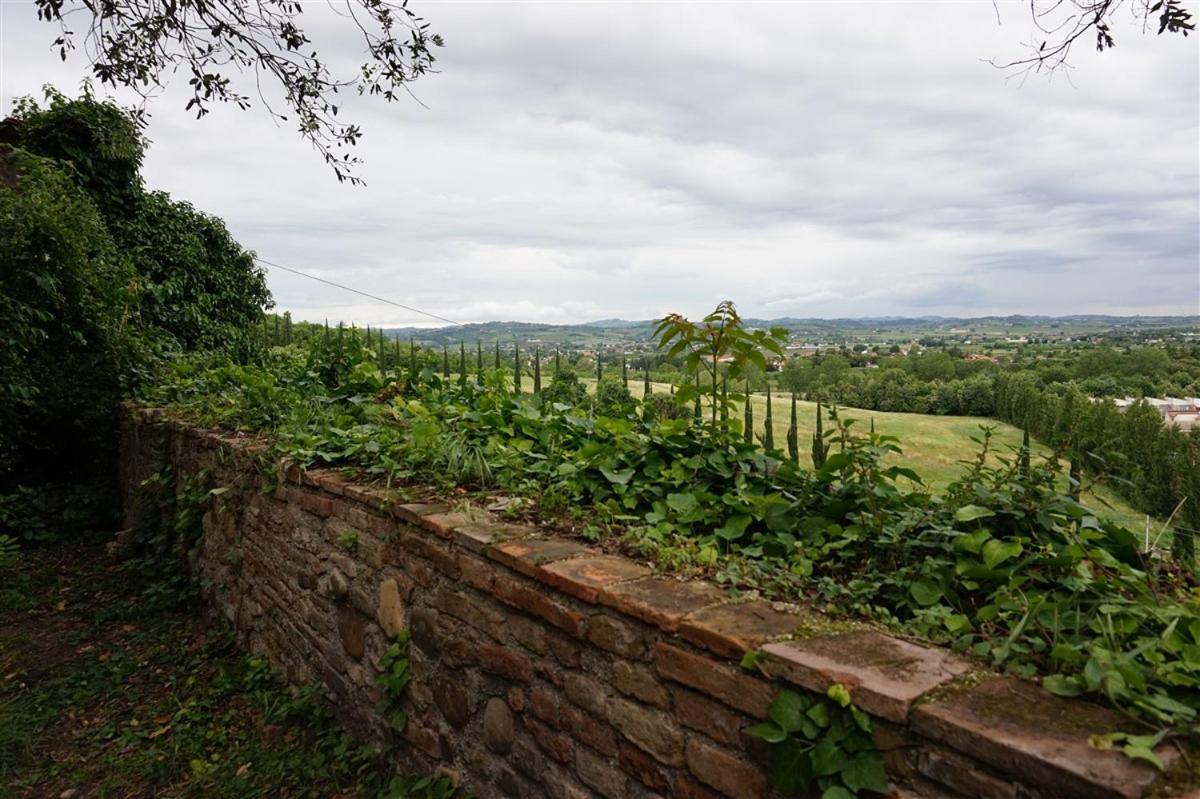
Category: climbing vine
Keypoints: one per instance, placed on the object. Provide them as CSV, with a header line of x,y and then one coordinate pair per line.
x,y
821,743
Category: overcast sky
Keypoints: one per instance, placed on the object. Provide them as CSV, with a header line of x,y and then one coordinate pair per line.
x,y
582,161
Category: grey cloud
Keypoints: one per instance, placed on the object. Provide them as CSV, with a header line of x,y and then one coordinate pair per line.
x,y
587,160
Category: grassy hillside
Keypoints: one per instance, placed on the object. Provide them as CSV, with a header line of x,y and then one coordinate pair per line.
x,y
933,446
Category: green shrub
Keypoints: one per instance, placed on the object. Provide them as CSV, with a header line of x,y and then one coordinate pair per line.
x,y
68,314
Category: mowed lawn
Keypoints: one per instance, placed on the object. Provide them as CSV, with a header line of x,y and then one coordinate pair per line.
x,y
935,447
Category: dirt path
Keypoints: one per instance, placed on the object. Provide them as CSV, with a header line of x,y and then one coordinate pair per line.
x,y
110,686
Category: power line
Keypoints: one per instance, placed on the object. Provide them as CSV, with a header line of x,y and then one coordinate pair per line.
x,y
356,291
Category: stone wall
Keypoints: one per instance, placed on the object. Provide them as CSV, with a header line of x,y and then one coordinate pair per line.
x,y
545,668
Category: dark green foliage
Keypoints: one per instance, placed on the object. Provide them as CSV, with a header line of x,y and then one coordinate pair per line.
x,y
624,371
414,371
768,439
565,389
462,364
725,400
748,418
517,367
479,363
820,449
599,371
102,142
614,400
496,362
793,434
537,370
646,390
68,306
201,287
557,365
822,745
445,362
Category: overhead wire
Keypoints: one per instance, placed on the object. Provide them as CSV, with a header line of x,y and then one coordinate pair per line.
x,y
353,290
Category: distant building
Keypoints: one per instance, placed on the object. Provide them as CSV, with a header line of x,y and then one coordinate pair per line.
x,y
1181,412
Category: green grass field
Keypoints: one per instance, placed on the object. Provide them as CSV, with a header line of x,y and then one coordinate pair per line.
x,y
935,447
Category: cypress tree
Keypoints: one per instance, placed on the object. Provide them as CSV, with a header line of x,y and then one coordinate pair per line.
x,y
697,413
793,435
725,399
412,359
872,426
624,371
557,366
1023,458
748,420
287,327
327,332
599,371
382,350
396,341
462,363
478,363
819,450
769,432
275,337
517,367
445,362
537,370
497,364
646,391
341,338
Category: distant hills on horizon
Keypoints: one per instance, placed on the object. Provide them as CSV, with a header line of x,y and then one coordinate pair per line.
x,y
615,330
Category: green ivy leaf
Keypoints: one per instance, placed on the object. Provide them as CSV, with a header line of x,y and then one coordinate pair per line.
x,y
866,773
788,711
771,733
827,757
791,767
839,693
996,552
969,513
925,592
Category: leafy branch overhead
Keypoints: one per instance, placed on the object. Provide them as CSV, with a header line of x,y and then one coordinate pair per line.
x,y
1060,24
140,44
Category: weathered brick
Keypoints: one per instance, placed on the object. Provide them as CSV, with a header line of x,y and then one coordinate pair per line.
x,y
528,633
414,511
600,775
464,608
640,683
734,629
653,731
732,686
506,662
711,718
422,546
622,638
642,767
685,787
545,705
520,596
963,775
316,504
582,577
442,524
553,743
660,601
1021,729
729,774
527,555
588,730
476,572
885,675
587,692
